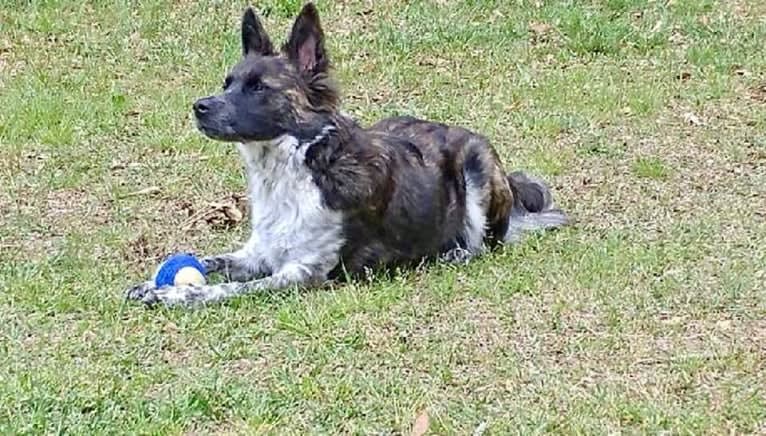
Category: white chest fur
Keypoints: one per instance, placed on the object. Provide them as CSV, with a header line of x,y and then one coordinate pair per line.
x,y
290,224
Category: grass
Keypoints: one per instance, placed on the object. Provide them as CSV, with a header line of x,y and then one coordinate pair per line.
x,y
646,317
651,168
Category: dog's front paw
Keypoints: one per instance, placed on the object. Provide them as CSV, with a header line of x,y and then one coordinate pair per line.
x,y
150,295
213,264
171,296
139,291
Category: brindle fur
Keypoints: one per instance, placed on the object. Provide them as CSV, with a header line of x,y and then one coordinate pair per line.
x,y
397,192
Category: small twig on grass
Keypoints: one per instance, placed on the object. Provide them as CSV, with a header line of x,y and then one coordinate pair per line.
x,y
152,190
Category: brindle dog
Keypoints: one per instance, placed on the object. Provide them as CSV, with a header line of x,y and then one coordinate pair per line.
x,y
331,198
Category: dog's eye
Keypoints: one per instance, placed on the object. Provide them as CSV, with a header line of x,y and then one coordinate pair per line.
x,y
227,82
254,84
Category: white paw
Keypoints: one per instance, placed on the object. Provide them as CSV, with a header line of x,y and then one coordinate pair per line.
x,y
457,256
170,296
137,292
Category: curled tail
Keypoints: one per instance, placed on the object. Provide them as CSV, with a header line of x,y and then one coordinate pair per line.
x,y
532,209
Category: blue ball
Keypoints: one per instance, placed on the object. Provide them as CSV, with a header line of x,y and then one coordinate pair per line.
x,y
167,271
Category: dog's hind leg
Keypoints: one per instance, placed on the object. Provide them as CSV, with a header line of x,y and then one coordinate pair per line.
x,y
471,240
486,196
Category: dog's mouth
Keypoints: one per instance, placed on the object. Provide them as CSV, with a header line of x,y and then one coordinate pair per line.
x,y
215,130
206,130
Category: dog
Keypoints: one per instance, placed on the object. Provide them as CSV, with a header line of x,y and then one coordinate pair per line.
x,y
332,199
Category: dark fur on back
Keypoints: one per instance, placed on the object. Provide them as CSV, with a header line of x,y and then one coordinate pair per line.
x,y
463,156
400,203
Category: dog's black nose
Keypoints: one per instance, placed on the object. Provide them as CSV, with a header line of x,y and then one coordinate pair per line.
x,y
201,107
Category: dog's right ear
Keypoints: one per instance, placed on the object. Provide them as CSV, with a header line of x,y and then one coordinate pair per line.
x,y
254,37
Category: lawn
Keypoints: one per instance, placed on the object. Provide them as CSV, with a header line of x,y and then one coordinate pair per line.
x,y
647,316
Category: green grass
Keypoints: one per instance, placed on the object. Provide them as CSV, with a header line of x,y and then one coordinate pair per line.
x,y
650,168
645,317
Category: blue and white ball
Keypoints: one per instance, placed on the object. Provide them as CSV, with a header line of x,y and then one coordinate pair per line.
x,y
180,269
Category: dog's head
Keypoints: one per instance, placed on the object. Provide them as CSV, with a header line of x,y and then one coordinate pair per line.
x,y
270,93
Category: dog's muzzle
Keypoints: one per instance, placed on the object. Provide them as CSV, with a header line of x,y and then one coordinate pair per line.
x,y
206,106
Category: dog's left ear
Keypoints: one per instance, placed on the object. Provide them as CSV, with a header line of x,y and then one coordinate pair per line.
x,y
305,47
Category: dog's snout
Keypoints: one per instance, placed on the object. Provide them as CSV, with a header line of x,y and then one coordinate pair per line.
x,y
202,106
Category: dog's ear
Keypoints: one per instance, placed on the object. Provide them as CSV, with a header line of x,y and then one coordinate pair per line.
x,y
305,47
254,37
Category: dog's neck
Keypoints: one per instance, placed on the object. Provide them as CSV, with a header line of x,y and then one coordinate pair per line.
x,y
322,135
289,149
271,158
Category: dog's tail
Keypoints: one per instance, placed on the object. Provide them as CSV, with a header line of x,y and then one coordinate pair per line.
x,y
532,209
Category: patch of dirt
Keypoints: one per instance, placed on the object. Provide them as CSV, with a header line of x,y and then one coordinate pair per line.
x,y
139,249
747,9
10,66
226,212
483,331
69,204
364,97
353,17
467,334
710,168
578,345
160,226
247,367
230,428
47,217
540,32
151,245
